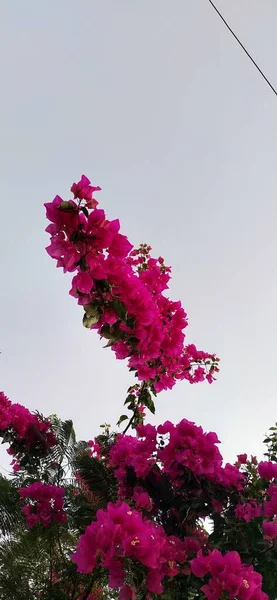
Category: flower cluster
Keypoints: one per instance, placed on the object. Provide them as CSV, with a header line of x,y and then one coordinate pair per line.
x,y
121,533
270,530
248,511
270,506
175,449
265,504
135,452
189,447
228,576
26,432
267,470
45,504
121,291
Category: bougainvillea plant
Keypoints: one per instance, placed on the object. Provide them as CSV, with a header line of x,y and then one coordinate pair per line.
x,y
146,512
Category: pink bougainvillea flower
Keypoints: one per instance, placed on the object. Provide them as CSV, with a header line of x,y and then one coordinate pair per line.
x,y
84,190
47,504
248,511
270,530
26,431
83,283
267,470
242,459
142,499
228,575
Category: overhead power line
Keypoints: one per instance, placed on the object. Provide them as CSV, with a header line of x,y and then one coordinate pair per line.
x,y
243,47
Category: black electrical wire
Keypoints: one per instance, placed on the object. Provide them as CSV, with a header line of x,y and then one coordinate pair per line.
x,y
243,47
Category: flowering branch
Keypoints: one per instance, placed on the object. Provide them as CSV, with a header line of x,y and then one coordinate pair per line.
x,y
122,293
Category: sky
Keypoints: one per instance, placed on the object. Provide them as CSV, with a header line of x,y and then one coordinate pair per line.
x,y
156,102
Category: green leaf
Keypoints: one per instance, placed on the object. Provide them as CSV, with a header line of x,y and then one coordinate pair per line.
x,y
66,206
82,264
99,479
77,236
146,400
152,406
110,343
119,308
10,510
121,419
91,316
85,211
68,431
131,321
130,399
107,332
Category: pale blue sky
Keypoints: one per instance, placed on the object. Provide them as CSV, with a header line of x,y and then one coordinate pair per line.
x,y
154,101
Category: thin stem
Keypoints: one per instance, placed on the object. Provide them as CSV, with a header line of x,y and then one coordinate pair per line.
x,y
144,385
131,421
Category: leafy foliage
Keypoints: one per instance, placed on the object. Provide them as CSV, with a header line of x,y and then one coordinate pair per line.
x,y
10,513
36,563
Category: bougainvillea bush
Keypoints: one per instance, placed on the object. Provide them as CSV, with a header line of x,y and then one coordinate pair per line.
x,y
141,511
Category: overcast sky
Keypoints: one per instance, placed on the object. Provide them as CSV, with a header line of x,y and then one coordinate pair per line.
x,y
155,102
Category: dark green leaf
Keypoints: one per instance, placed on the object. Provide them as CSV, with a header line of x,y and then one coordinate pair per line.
x,y
119,308
121,419
146,400
85,211
130,398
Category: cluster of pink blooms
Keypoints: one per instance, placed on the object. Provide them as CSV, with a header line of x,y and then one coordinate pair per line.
x,y
228,576
270,530
121,291
45,504
136,452
248,511
191,448
95,448
267,470
120,533
176,449
267,506
270,506
24,431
